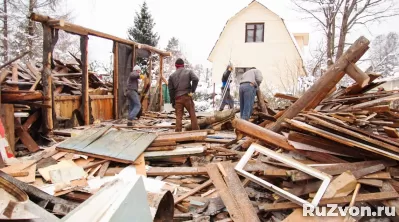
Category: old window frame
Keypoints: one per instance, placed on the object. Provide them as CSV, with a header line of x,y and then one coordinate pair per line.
x,y
254,29
291,162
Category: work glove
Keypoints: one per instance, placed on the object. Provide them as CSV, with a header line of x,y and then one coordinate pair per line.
x,y
190,94
142,76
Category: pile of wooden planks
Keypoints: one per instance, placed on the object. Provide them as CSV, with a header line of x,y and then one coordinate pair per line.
x,y
20,81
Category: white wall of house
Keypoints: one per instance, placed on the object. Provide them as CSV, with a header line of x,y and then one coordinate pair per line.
x,y
277,57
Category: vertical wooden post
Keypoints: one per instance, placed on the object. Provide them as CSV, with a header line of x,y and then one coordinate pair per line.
x,y
84,40
134,56
147,85
116,79
47,80
7,118
160,83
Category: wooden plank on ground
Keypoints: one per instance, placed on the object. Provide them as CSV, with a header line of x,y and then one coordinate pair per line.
x,y
177,152
371,182
342,140
25,137
367,197
336,169
318,144
391,132
27,166
235,187
353,134
103,169
193,191
140,168
228,199
168,171
84,139
116,145
368,170
182,137
394,202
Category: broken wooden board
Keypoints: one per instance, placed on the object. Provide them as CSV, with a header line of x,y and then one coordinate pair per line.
x,y
236,188
336,169
228,199
342,140
172,153
45,172
65,175
115,145
84,139
28,166
182,137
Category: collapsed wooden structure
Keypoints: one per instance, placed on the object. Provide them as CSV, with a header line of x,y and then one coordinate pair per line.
x,y
50,37
346,137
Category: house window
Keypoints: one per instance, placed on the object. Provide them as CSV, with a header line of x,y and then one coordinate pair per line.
x,y
254,32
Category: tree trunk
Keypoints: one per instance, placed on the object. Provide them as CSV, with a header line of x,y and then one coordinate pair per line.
x,y
330,47
5,32
344,28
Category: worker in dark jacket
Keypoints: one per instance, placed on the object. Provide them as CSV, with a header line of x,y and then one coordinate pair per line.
x,y
133,95
227,99
182,85
250,81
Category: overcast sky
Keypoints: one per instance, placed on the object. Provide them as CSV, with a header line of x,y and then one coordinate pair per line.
x,y
196,23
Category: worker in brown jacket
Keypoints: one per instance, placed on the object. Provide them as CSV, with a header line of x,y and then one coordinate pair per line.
x,y
182,85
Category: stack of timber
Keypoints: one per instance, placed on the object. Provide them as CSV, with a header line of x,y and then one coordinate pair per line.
x,y
22,82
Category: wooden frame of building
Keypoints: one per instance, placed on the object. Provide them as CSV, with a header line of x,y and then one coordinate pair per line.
x,y
50,36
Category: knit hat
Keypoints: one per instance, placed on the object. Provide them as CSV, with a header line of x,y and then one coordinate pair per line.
x,y
179,62
137,68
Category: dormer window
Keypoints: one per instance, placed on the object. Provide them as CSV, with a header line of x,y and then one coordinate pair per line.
x,y
254,32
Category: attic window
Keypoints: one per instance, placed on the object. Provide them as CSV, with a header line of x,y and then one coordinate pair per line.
x,y
254,32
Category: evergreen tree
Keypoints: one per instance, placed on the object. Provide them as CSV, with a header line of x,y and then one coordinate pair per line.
x,y
142,31
173,45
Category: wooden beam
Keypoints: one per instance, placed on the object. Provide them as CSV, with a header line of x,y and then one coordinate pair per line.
x,y
228,199
341,139
160,83
193,191
285,96
368,197
361,78
353,134
335,169
25,137
84,42
323,85
239,193
79,30
116,79
47,113
260,133
7,118
168,171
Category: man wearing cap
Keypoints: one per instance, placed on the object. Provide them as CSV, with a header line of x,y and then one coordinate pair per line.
x,y
133,94
250,81
182,84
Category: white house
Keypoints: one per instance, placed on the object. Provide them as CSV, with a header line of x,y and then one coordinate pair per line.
x,y
258,37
